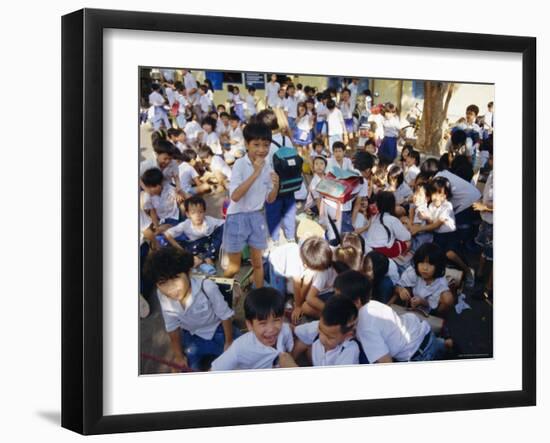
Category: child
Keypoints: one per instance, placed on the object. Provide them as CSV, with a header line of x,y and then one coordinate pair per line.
x,y
385,336
196,316
318,277
189,179
193,131
405,152
205,103
376,267
370,146
321,112
253,183
176,136
219,170
202,235
160,116
338,158
336,127
411,167
223,127
238,103
268,339
302,134
331,339
386,233
392,127
347,107
272,91
209,137
236,139
251,102
164,153
423,286
401,190
418,212
290,106
319,149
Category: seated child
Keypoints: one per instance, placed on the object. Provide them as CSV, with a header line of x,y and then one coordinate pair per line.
x,y
190,182
314,198
201,235
418,211
424,286
401,190
177,138
338,158
412,168
376,267
219,170
196,316
331,339
193,131
210,137
268,337
164,160
236,140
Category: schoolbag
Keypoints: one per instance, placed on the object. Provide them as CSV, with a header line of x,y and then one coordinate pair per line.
x,y
339,185
287,164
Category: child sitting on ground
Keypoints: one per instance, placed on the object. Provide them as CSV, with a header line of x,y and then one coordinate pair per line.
x,y
190,182
331,339
269,340
338,158
219,171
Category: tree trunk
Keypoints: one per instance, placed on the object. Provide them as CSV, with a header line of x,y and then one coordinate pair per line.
x,y
437,96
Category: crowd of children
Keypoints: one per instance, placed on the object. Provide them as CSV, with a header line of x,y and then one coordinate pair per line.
x,y
395,224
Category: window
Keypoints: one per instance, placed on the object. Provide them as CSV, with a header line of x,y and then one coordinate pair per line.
x,y
418,89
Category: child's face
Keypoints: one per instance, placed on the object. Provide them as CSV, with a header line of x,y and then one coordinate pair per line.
x,y
318,166
266,331
176,288
370,148
318,148
163,160
409,161
251,92
389,115
471,116
153,190
273,77
181,138
291,91
281,92
196,214
257,148
338,154
405,154
426,269
207,128
225,119
332,336
369,270
438,198
234,123
345,96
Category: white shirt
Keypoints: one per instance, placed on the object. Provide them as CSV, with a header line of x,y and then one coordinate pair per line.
x,y
335,122
213,142
155,99
464,193
251,104
346,109
187,175
218,164
322,111
412,172
272,92
286,262
200,314
290,105
165,204
255,197
193,232
205,103
353,95
332,163
313,184
247,352
221,128
323,281
430,292
192,130
190,83
392,126
304,123
169,172
444,213
393,271
237,136
402,193
381,331
346,353
487,216
377,236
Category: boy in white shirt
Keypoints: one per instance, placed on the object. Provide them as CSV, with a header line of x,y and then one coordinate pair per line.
x,y
336,127
193,131
272,91
205,103
253,183
189,179
290,105
200,234
385,336
236,138
160,116
314,198
251,102
196,316
338,158
331,339
269,340
218,168
164,160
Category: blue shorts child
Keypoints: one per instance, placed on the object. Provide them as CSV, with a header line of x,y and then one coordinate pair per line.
x,y
245,228
388,149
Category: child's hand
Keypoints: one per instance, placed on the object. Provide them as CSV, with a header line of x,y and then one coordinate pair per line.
x,y
180,361
296,314
478,206
275,180
286,360
415,302
413,229
258,164
404,294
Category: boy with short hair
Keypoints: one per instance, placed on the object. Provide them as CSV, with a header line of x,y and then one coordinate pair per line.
x,y
177,138
269,340
219,169
190,182
331,339
412,169
253,183
339,159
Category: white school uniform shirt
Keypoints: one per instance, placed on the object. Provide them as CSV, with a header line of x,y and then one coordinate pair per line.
x,y
464,193
190,83
218,164
277,102
205,103
286,262
392,126
254,199
172,170
251,104
300,95
346,353
170,95
313,184
304,123
290,105
213,142
271,92
381,331
192,130
346,109
247,352
402,193
420,209
335,122
200,314
322,111
430,292
444,213
165,204
353,95
332,163
377,236
187,174
411,173
393,271
193,232
488,199
323,281
379,120
183,101
181,146
155,99
236,135
221,128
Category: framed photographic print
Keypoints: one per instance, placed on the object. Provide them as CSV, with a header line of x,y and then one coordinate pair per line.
x,y
269,221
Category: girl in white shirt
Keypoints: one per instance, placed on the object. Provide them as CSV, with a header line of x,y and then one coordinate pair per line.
x,y
401,190
210,137
313,201
238,103
251,102
392,127
302,134
386,234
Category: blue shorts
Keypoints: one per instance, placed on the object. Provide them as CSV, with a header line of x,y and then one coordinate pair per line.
x,y
349,125
245,228
447,241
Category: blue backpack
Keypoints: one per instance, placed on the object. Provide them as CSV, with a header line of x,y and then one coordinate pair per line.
x,y
287,164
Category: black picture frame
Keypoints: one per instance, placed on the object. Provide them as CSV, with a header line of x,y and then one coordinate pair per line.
x,y
82,218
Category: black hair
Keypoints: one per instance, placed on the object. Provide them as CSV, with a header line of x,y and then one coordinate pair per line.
x,y
353,285
251,89
370,141
380,266
224,114
267,117
257,131
340,311
260,303
408,147
367,92
164,147
188,155
444,162
331,104
415,155
234,117
441,184
205,152
174,132
473,108
430,166
338,145
167,263
203,88
152,177
209,121
316,253
320,157
155,87
435,255
458,137
318,142
158,135
345,90
385,202
396,173
299,86
462,167
363,160
490,104
194,200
